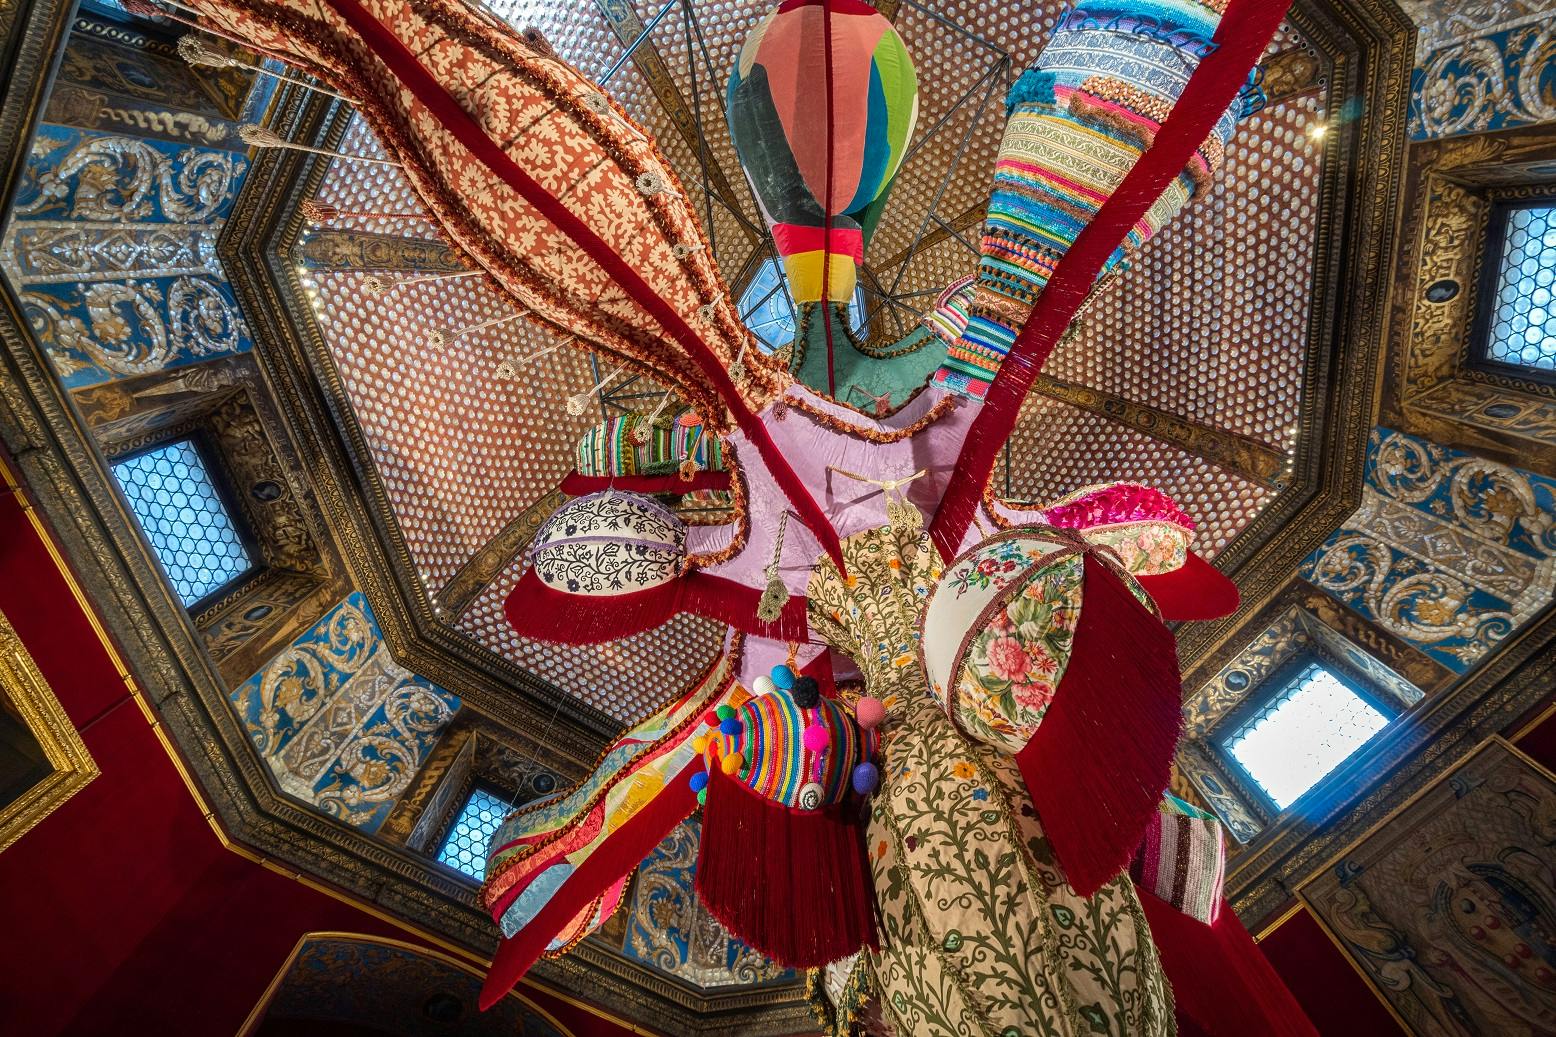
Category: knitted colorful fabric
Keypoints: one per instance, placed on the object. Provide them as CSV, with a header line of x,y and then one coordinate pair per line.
x,y
609,448
1078,123
1182,860
948,319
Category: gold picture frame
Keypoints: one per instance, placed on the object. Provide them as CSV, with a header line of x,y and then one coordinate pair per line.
x,y
27,696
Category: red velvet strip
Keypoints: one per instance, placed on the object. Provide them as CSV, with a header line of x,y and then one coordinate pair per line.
x,y
1195,590
1098,764
577,484
792,883
547,614
1245,31
826,205
619,854
1222,984
463,127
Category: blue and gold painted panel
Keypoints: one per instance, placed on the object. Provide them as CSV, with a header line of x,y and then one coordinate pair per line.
x,y
1448,551
340,724
1495,81
111,248
669,930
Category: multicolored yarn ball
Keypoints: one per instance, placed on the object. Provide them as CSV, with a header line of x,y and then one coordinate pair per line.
x,y
806,692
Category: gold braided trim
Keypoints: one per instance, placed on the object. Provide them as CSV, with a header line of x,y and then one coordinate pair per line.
x,y
827,419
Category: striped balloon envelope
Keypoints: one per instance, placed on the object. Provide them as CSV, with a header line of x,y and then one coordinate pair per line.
x,y
822,103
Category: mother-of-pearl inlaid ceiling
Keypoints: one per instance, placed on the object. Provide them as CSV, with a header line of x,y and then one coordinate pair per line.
x,y
1186,373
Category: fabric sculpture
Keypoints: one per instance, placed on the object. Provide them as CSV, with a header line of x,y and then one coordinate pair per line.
x,y
822,102
987,845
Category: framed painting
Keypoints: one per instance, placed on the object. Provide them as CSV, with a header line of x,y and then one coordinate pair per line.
x,y
1448,905
42,759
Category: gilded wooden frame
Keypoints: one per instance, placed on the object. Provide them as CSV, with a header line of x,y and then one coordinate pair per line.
x,y
24,689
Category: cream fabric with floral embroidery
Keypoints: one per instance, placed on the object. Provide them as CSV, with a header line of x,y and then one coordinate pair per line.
x,y
979,932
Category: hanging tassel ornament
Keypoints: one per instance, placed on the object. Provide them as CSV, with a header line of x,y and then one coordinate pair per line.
x,y
256,136
375,286
775,595
689,465
576,405
194,51
643,430
901,515
441,337
737,370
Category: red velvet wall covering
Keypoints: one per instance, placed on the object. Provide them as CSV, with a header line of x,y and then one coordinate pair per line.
x,y
122,911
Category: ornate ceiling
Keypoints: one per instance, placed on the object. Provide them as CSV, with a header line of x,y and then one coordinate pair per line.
x,y
1237,366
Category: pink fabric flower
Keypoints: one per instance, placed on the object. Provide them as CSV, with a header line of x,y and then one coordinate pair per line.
x,y
1034,696
1007,659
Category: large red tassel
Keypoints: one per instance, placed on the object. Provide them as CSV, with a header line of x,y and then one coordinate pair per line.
x,y
794,884
1222,984
1100,759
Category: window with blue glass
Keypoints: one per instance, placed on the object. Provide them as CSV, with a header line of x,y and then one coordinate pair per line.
x,y
185,518
1516,327
769,311
464,847
1311,720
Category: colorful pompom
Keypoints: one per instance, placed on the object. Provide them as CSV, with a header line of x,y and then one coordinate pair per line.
x,y
763,685
733,762
806,692
869,712
710,718
783,677
702,796
817,738
700,744
730,727
699,781
725,712
866,777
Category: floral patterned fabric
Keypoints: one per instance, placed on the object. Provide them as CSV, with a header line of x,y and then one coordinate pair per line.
x,y
980,933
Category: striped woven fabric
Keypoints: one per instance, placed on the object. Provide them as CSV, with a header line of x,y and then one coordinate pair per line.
x,y
1182,860
1078,122
777,765
608,448
949,317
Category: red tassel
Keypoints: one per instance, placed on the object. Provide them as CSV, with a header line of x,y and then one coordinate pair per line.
x,y
547,614
1194,590
577,484
1222,984
794,884
1100,759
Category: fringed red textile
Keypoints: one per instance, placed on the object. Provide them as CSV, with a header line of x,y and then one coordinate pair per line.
x,y
623,851
1100,759
547,614
1245,31
794,884
1222,984
576,484
444,107
1194,590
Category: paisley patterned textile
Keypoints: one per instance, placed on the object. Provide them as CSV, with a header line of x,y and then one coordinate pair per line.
x,y
608,543
525,108
980,933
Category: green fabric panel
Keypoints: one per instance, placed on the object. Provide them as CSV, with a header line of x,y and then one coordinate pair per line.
x,y
899,375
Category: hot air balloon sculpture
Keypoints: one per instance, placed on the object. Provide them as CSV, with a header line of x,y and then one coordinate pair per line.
x,y
822,103
997,859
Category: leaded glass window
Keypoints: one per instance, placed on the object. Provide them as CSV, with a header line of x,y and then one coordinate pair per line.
x,y
477,821
1311,724
1518,319
769,311
184,518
